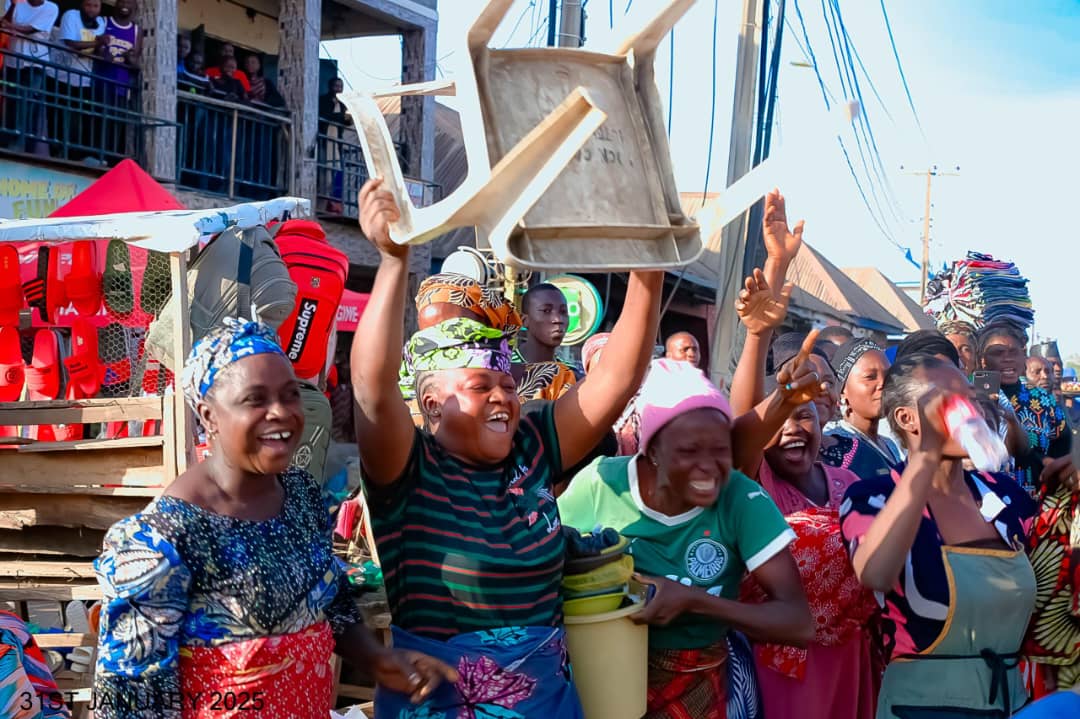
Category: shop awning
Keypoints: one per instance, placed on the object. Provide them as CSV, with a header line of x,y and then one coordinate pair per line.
x,y
351,308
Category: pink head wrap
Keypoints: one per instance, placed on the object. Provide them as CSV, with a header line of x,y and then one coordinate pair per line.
x,y
592,347
672,389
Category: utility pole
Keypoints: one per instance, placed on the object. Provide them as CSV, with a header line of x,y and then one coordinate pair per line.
x,y
725,334
553,19
930,173
571,23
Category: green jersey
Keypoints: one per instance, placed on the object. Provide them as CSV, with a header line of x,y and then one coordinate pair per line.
x,y
707,547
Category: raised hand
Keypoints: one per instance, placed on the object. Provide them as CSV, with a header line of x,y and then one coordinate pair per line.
x,y
781,242
378,211
798,380
759,309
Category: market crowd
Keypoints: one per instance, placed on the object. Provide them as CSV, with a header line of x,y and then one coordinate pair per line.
x,y
852,531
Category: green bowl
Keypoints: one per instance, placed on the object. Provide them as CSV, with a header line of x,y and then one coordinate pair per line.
x,y
594,605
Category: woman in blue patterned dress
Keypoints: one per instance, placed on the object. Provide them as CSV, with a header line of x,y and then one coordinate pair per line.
x,y
223,594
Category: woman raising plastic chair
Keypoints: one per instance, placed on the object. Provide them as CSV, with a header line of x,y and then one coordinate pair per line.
x,y
463,511
945,548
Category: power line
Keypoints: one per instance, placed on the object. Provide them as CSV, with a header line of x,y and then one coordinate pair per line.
x,y
900,68
844,39
712,110
521,17
825,96
671,82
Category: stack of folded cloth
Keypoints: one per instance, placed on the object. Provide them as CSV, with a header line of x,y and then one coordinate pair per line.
x,y
597,572
980,290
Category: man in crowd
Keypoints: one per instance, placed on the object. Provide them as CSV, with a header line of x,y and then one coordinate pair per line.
x,y
1040,373
683,347
31,22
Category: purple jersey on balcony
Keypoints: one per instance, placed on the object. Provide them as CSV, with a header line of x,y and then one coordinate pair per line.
x,y
111,67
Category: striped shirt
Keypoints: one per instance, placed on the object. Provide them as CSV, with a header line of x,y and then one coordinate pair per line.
x,y
466,549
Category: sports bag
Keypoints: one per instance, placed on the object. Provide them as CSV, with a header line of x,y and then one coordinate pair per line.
x,y
319,272
234,271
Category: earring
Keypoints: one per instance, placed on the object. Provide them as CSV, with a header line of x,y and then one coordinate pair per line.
x,y
436,413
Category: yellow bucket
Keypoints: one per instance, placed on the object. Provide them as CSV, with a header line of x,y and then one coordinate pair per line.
x,y
610,657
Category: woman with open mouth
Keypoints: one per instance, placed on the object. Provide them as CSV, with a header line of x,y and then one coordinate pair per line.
x,y
804,683
463,511
944,547
217,591
696,526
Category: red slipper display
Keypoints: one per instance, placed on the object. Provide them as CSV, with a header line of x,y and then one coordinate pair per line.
x,y
83,282
43,377
84,369
11,291
12,369
46,290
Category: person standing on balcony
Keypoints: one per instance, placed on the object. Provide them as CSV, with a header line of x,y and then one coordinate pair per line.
x,y
30,21
82,31
115,72
262,90
183,49
228,51
227,85
334,121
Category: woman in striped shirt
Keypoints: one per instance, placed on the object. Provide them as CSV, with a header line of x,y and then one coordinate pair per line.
x,y
463,510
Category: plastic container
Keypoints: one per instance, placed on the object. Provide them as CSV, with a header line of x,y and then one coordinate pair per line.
x,y
610,657
965,425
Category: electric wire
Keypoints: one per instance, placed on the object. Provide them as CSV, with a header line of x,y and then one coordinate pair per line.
x,y
900,69
712,110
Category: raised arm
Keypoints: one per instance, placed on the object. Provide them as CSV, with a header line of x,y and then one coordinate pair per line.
x,y
761,312
384,428
881,552
587,411
782,244
798,383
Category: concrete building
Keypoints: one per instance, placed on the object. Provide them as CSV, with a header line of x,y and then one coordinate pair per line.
x,y
213,149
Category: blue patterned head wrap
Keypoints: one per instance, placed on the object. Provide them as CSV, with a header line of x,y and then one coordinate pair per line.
x,y
221,347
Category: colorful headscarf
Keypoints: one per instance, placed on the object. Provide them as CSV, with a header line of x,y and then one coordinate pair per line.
x,y
591,349
848,354
671,389
956,327
458,343
222,346
469,294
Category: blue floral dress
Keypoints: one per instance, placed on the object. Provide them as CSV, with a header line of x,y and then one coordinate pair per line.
x,y
176,576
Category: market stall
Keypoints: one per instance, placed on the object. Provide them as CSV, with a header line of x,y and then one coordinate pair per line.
x,y
90,427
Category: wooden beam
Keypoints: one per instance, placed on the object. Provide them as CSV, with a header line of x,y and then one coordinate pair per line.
x,y
443,88
19,511
83,411
184,446
65,640
37,569
52,541
84,472
12,590
93,444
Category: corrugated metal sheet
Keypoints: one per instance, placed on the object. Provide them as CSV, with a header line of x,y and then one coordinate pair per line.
x,y
820,286
892,298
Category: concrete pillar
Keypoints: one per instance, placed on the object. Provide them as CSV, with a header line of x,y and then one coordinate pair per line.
x,y
298,81
157,21
418,112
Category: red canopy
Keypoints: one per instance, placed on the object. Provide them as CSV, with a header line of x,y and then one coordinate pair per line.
x,y
125,188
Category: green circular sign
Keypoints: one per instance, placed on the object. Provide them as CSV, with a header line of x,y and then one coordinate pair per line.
x,y
586,307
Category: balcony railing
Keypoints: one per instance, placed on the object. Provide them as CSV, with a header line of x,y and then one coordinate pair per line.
x,y
342,172
59,106
231,149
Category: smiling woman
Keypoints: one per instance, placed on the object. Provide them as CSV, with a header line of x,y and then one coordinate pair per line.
x,y
695,520
463,509
229,577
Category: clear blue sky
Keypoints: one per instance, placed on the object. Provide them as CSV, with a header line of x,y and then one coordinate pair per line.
x,y
996,84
